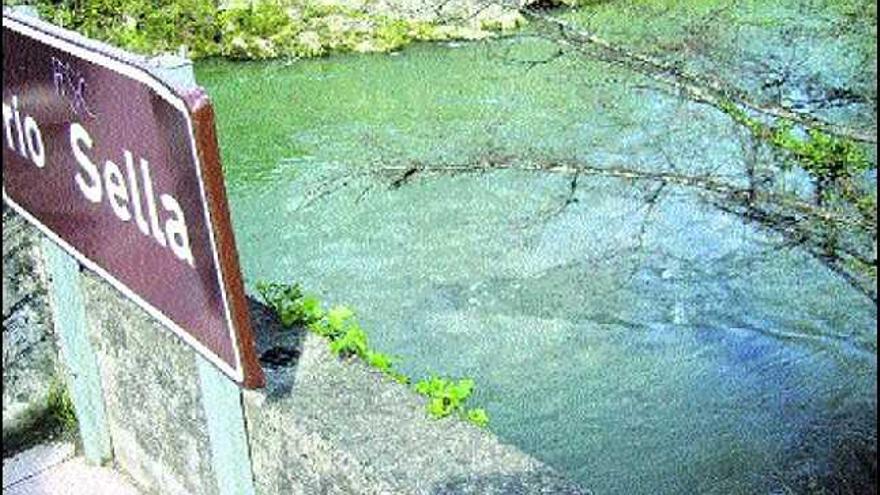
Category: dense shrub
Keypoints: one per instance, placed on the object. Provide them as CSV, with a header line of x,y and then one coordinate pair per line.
x,y
144,26
248,30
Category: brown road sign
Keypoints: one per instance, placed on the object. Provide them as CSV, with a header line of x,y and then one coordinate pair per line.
x,y
123,171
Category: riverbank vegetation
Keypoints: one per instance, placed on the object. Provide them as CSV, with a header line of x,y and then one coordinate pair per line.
x,y
266,29
834,163
348,340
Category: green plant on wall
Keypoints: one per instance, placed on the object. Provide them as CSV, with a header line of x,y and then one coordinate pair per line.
x,y
478,416
60,405
385,364
347,339
284,300
353,342
446,397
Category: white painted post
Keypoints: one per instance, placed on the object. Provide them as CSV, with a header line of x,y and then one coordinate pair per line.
x,y
230,456
80,362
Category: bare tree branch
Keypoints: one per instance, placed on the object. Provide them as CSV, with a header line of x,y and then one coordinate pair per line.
x,y
702,88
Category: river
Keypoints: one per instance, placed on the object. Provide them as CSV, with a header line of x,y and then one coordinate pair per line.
x,y
516,213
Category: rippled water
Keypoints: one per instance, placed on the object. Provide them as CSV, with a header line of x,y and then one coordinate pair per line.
x,y
628,332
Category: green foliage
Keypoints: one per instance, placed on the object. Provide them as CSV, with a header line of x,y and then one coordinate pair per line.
x,y
347,339
339,316
352,343
285,300
830,160
288,302
339,324
146,26
758,128
60,406
379,360
247,30
446,397
41,423
385,364
266,30
478,417
394,33
821,154
867,206
311,309
335,323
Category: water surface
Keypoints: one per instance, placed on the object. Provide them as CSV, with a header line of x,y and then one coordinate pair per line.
x,y
628,332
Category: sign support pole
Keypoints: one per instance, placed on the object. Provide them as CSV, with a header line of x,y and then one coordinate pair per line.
x,y
230,455
80,361
221,397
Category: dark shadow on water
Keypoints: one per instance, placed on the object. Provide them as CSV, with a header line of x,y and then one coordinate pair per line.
x,y
849,458
527,483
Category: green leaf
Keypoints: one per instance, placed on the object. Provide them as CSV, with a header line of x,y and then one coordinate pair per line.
x,y
433,386
338,316
462,390
353,342
311,309
379,360
283,299
399,377
437,408
320,327
478,417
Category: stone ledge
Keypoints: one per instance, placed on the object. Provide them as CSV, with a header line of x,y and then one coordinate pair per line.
x,y
324,425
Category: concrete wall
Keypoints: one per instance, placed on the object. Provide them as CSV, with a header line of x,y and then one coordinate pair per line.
x,y
151,393
321,426
30,357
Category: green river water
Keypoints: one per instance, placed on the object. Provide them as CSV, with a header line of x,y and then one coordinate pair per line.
x,y
632,333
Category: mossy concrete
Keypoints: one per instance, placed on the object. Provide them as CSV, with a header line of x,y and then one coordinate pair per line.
x,y
30,356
